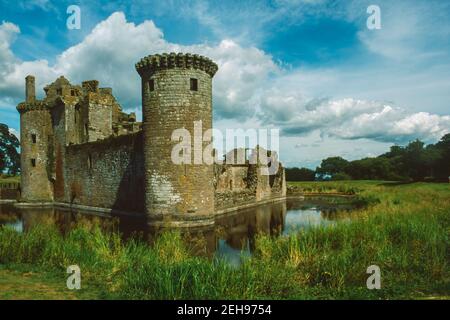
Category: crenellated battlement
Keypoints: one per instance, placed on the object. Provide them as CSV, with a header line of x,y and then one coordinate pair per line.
x,y
32,106
156,62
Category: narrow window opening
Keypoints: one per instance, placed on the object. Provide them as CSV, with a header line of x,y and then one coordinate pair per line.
x,y
151,85
194,84
33,138
72,93
33,162
59,92
86,129
90,162
185,170
77,113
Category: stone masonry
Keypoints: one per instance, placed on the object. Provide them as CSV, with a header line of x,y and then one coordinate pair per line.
x,y
80,149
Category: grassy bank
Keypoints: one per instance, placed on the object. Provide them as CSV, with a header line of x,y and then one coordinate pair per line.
x,y
8,179
406,234
25,284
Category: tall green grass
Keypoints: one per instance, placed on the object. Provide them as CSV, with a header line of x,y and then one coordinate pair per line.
x,y
406,234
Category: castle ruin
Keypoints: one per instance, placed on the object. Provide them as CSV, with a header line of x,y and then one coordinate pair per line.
x,y
79,149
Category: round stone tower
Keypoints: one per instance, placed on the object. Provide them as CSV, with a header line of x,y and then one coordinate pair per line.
x,y
35,141
176,94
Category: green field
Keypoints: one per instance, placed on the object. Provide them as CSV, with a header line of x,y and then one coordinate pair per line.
x,y
404,230
8,179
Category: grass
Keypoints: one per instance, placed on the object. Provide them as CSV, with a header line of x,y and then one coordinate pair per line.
x,y
405,232
8,179
333,187
23,284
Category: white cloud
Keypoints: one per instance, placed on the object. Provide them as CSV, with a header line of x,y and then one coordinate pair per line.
x,y
248,80
8,33
350,118
242,74
112,48
14,132
409,30
45,5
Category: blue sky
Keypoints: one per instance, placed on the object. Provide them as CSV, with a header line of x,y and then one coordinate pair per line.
x,y
310,68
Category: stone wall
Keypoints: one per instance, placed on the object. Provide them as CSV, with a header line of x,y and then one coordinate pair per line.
x,y
231,199
231,177
9,191
100,112
237,185
108,173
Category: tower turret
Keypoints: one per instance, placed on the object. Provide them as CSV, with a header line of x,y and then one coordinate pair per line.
x,y
176,93
35,145
30,89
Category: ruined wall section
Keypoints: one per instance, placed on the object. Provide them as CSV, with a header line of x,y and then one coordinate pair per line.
x,y
237,185
58,115
100,116
107,173
278,182
232,186
232,177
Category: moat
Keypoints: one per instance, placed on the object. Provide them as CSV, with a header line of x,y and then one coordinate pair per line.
x,y
232,236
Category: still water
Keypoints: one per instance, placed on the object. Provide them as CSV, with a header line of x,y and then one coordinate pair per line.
x,y
232,237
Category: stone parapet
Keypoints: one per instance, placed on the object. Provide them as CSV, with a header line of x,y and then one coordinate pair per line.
x,y
31,106
156,62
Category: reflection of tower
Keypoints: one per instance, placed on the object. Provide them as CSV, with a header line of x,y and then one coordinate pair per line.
x,y
238,236
278,218
243,227
35,138
176,92
263,217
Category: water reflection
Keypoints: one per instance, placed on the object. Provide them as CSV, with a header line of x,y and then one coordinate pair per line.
x,y
232,236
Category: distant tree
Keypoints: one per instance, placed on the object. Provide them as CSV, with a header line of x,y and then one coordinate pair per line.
x,y
431,158
300,174
331,166
442,163
395,151
379,168
415,160
2,163
9,156
341,176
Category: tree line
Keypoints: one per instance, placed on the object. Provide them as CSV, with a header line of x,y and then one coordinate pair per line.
x,y
9,155
413,162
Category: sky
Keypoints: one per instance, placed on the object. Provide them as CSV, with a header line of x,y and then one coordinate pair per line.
x,y
309,68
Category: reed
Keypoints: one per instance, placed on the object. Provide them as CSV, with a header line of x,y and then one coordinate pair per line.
x,y
405,233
